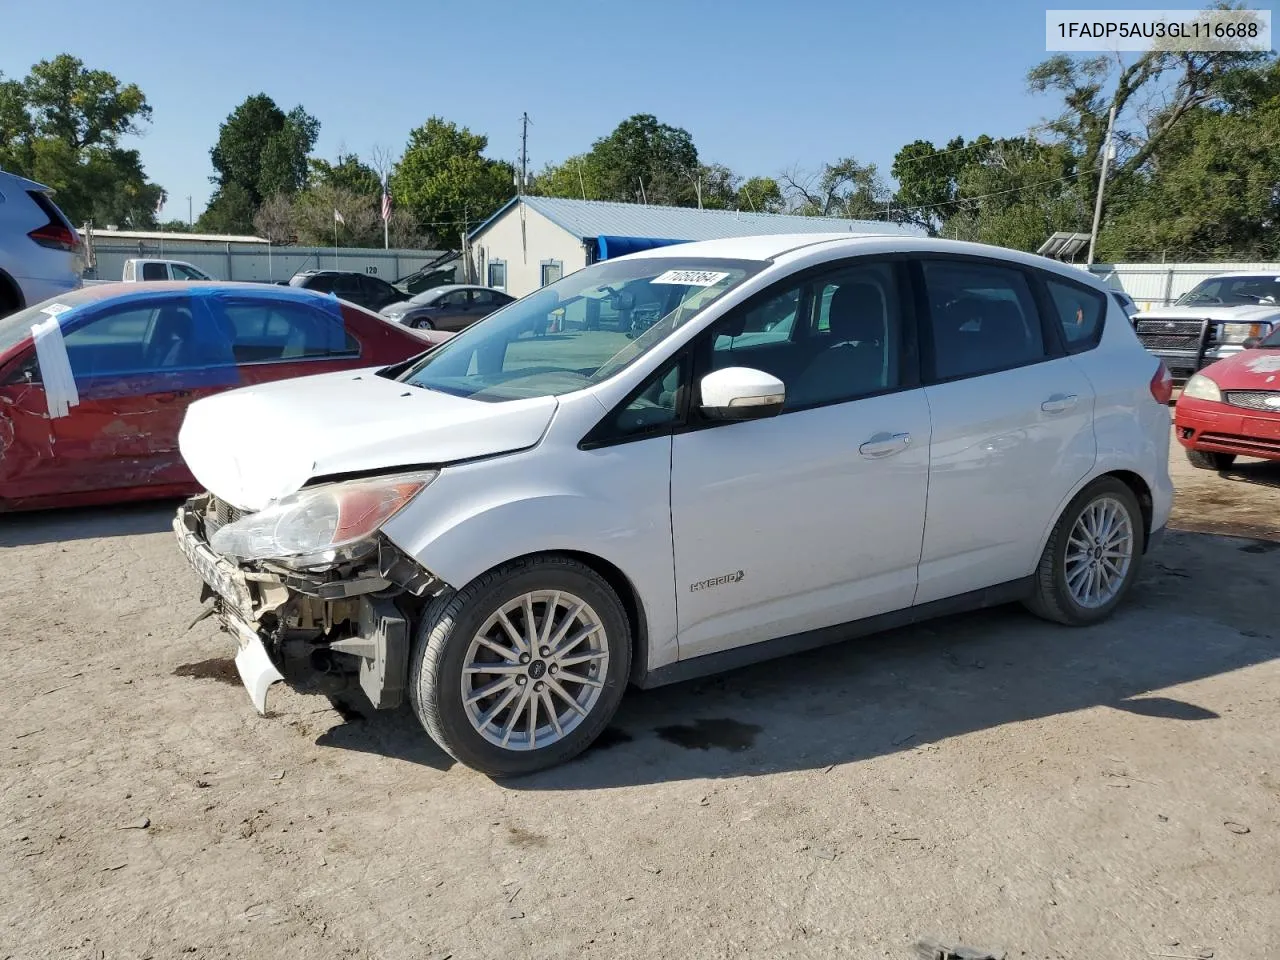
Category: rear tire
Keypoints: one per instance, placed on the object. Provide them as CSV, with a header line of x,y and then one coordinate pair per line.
x,y
1209,460
10,301
587,639
1092,557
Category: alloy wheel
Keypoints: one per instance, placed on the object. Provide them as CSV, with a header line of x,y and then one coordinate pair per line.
x,y
1099,553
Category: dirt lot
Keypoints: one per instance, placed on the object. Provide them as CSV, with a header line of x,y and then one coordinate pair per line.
x,y
991,780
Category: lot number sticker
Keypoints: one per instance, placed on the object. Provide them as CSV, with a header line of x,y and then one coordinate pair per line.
x,y
690,278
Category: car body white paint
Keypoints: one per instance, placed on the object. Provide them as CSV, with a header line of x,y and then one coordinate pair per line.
x,y
968,502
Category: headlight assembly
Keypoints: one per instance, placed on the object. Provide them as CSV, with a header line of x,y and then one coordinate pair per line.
x,y
1201,387
318,526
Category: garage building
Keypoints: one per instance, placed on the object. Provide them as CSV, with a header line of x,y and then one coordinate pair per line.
x,y
533,241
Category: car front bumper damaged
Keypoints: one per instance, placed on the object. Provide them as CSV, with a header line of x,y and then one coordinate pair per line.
x,y
321,631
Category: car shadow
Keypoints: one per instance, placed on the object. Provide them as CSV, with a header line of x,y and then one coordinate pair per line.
x,y
85,523
1265,473
924,684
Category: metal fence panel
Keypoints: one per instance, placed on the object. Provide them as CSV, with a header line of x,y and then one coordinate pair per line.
x,y
258,262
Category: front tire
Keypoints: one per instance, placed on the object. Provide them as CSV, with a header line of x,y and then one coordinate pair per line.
x,y
424,324
1092,557
523,667
1210,460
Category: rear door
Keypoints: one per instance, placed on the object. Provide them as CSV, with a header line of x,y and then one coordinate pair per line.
x,y
276,338
137,365
1012,423
453,310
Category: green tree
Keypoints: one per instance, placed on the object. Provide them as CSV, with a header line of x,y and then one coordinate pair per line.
x,y
261,151
845,188
62,126
444,181
644,160
231,210
760,195
348,172
577,177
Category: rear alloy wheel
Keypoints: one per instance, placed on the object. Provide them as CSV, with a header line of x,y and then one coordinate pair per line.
x,y
1209,460
522,668
1092,557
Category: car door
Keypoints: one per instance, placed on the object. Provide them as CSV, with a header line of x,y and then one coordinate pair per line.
x,y
378,293
814,517
1012,424
138,364
348,286
27,466
275,338
452,310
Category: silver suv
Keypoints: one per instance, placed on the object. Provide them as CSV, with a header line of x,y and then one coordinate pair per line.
x,y
41,254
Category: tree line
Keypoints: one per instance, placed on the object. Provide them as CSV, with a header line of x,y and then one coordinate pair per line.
x,y
1195,172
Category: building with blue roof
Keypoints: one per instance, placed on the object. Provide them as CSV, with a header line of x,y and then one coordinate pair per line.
x,y
533,241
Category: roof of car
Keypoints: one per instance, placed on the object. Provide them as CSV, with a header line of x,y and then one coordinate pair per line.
x,y
1242,273
121,290
450,287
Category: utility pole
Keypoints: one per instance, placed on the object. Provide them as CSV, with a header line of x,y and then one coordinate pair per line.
x,y
190,220
524,154
1102,182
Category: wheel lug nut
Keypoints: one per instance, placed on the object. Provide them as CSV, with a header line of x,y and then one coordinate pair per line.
x,y
539,686
525,658
544,652
554,669
521,681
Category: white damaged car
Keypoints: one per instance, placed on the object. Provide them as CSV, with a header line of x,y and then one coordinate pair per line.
x,y
821,436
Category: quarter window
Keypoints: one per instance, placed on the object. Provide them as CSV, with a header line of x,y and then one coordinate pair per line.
x,y
831,338
982,317
1080,313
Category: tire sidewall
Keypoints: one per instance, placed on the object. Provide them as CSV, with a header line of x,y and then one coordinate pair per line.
x,y
439,685
1116,490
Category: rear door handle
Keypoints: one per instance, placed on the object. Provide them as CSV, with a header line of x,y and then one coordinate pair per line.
x,y
1060,403
885,445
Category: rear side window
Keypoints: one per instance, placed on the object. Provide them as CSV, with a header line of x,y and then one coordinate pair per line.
x,y
982,317
131,339
263,332
155,271
322,283
1080,313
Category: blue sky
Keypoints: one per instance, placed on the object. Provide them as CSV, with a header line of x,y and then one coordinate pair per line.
x,y
762,86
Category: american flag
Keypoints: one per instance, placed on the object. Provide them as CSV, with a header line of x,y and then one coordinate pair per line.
x,y
386,202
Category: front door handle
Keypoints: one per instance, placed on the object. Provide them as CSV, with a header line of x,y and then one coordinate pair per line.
x,y
1059,403
885,445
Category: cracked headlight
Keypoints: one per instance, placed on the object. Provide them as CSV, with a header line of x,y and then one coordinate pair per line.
x,y
319,526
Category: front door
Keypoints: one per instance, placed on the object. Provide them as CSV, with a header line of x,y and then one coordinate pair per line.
x,y
137,365
814,517
1012,426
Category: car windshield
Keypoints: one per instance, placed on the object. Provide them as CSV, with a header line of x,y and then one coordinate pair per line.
x,y
1271,342
17,326
579,330
1233,292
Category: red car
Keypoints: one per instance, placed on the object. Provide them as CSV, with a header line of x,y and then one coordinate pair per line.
x,y
1232,408
94,383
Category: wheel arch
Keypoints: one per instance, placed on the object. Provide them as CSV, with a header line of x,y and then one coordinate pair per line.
x,y
10,291
621,585
1136,483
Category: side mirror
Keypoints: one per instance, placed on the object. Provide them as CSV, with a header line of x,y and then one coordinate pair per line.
x,y
740,393
1251,343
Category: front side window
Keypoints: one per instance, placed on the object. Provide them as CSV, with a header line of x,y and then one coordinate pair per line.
x,y
1080,313
829,338
144,338
183,272
982,316
557,340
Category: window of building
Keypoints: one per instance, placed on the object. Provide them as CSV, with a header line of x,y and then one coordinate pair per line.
x,y
498,274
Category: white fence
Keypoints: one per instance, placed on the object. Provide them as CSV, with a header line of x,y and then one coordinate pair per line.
x,y
1159,284
258,261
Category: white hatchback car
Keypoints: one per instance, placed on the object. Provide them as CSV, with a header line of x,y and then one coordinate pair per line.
x,y
819,437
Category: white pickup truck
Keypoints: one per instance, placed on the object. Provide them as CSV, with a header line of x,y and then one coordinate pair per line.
x,y
142,270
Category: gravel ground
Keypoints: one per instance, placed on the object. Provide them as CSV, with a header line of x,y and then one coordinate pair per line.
x,y
988,780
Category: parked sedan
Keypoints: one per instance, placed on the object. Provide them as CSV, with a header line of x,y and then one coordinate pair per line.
x,y
452,307
1232,408
372,293
95,382
818,438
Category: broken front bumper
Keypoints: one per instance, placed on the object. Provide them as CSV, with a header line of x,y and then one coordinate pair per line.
x,y
318,631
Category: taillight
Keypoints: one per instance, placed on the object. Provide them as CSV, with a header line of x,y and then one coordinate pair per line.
x,y
1162,385
55,236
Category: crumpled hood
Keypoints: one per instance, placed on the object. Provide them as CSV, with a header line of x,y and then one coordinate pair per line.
x,y
257,444
1208,311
